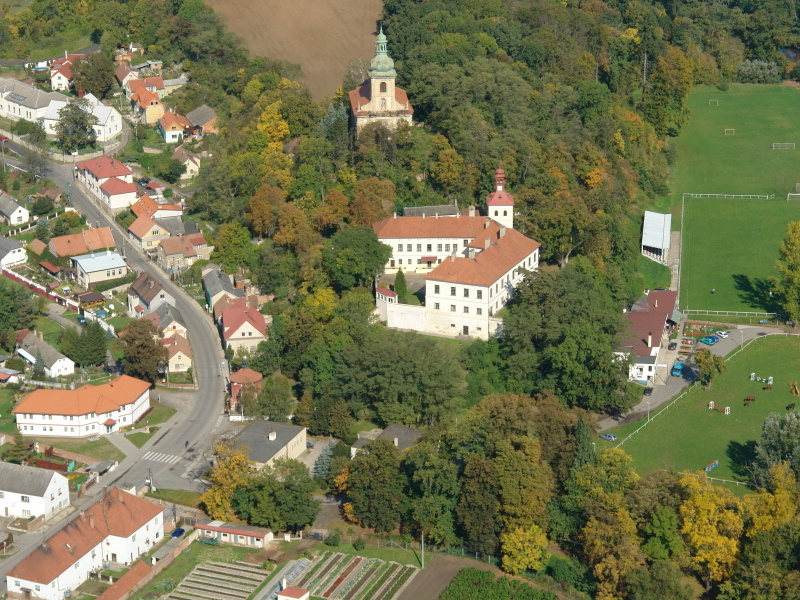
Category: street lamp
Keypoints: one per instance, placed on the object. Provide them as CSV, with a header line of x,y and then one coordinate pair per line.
x,y
741,332
648,410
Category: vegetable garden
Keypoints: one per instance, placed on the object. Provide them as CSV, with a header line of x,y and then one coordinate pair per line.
x,y
342,577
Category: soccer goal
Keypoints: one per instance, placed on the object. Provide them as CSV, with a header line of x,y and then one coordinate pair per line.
x,y
792,197
730,132
713,102
776,146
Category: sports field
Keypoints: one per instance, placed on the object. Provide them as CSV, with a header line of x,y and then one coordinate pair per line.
x,y
688,436
731,245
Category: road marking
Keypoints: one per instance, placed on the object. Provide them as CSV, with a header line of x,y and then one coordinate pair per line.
x,y
159,457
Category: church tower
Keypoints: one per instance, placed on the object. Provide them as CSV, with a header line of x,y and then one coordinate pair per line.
x,y
500,204
378,98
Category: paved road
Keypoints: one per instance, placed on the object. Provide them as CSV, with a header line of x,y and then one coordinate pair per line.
x,y
165,457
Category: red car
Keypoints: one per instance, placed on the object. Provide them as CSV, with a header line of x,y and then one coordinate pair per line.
x,y
4,138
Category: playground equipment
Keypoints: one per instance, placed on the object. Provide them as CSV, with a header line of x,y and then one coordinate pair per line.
x,y
725,411
767,380
712,465
795,388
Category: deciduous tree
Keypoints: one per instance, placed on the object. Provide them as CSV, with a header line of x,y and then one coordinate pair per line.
x,y
75,127
787,285
523,548
231,470
142,354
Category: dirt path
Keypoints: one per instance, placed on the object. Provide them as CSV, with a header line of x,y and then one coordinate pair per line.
x,y
322,36
437,575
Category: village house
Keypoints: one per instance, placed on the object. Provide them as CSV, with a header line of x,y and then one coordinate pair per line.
x,y
378,99
190,162
269,440
173,127
216,284
97,172
11,211
61,71
167,319
22,101
251,301
83,412
291,592
235,534
179,353
147,233
243,328
649,321
177,254
400,436
31,492
204,118
242,381
85,242
123,75
119,528
472,264
146,206
11,253
32,348
94,268
146,295
107,127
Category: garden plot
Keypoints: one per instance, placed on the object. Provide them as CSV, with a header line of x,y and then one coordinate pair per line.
x,y
220,581
343,577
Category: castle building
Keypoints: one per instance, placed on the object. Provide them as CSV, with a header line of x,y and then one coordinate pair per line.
x,y
378,99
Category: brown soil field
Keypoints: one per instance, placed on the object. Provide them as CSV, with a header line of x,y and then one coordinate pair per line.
x,y
322,36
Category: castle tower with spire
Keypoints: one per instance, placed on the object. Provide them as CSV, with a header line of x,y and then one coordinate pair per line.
x,y
500,204
378,99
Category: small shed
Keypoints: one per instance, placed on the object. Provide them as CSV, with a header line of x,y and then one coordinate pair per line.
x,y
656,233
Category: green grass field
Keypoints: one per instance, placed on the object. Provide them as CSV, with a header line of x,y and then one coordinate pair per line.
x,y
688,436
731,245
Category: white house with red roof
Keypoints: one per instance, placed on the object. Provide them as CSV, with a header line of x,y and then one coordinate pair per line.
x,y
472,264
649,322
293,593
98,172
378,99
119,528
243,328
61,71
83,412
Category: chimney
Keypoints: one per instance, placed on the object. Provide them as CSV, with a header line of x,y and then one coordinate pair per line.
x,y
91,520
272,435
656,302
120,497
502,232
486,223
471,211
69,548
423,215
649,339
284,585
40,335
486,243
452,258
395,215
396,442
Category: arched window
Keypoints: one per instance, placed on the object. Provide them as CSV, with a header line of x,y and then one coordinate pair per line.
x,y
505,213
496,212
383,87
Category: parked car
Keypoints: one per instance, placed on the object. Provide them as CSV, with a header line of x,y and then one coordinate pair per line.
x,y
608,436
648,391
673,346
178,532
81,321
722,334
4,138
687,341
709,340
677,370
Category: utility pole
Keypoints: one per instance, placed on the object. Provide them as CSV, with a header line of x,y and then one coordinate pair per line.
x,y
422,558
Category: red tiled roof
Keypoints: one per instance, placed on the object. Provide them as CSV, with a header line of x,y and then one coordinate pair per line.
x,y
104,167
293,592
234,318
127,582
109,422
37,246
84,242
431,227
386,292
48,266
173,122
362,94
119,514
144,206
500,197
84,400
142,226
503,254
243,376
115,186
177,343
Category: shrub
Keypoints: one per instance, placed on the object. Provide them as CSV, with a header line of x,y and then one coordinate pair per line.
x,y
359,544
334,538
758,71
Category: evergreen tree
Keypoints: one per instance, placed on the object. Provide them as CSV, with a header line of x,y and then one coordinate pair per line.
x,y
95,344
71,346
38,366
18,451
584,447
400,287
322,466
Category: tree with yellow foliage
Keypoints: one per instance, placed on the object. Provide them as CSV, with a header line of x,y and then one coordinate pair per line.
x,y
523,548
712,526
231,470
766,511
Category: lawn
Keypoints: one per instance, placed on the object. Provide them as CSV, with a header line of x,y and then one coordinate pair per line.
x,y
100,449
7,424
708,161
182,497
688,436
398,555
158,414
50,330
140,438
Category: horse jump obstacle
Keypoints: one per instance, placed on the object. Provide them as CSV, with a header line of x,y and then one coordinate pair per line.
x,y
767,380
725,411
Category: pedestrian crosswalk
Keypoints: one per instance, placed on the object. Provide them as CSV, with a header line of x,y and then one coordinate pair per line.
x,y
163,458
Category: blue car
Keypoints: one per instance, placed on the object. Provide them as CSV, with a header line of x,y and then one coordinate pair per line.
x,y
81,321
709,340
